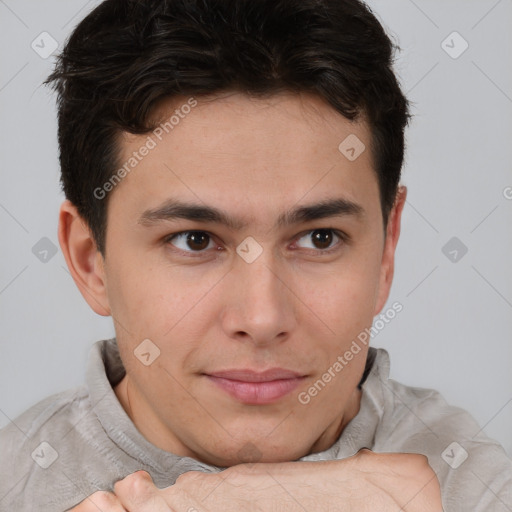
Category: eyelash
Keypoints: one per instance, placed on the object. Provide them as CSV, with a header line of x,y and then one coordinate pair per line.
x,y
344,239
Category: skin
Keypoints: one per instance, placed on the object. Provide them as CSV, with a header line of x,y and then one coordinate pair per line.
x,y
365,482
295,307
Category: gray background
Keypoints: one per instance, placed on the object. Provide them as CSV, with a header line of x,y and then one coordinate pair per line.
x,y
454,331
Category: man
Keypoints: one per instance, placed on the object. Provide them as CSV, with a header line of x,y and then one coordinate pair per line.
x,y
232,176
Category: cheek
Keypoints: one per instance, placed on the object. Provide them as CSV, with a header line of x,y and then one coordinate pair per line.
x,y
168,305
153,299
345,298
137,298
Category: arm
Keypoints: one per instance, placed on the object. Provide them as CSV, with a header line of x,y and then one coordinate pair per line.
x,y
365,482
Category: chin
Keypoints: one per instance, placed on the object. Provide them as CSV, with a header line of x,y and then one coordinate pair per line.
x,y
247,451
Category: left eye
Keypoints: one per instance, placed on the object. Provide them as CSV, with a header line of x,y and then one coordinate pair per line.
x,y
191,241
320,239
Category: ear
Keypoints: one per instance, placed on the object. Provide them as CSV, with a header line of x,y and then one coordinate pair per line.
x,y
84,261
387,267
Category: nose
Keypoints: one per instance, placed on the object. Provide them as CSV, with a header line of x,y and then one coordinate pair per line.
x,y
259,305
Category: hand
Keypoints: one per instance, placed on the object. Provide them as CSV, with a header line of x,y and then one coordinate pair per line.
x,y
366,482
137,493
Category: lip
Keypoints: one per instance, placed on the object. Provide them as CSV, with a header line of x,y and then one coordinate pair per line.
x,y
256,388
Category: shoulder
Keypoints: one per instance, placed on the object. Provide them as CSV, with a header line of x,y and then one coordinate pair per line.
x,y
403,408
27,445
40,449
472,468
54,412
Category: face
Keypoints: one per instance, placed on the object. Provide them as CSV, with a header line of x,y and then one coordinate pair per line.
x,y
251,253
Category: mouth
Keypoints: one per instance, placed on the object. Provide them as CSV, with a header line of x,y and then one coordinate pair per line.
x,y
257,388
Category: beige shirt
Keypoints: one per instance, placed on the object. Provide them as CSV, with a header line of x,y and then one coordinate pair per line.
x,y
74,443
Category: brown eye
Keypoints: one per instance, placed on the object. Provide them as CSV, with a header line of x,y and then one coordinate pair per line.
x,y
198,240
320,239
190,241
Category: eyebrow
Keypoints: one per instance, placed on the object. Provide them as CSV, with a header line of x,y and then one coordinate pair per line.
x,y
175,209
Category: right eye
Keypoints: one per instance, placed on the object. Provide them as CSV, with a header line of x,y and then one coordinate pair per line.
x,y
191,241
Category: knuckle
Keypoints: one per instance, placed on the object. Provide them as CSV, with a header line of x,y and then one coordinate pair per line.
x,y
419,463
416,467
406,464
190,477
366,457
362,457
419,459
133,484
364,454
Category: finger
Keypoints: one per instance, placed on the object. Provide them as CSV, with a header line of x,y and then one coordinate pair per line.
x,y
100,501
138,493
181,500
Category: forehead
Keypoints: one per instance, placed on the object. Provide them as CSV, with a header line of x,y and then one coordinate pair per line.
x,y
237,151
